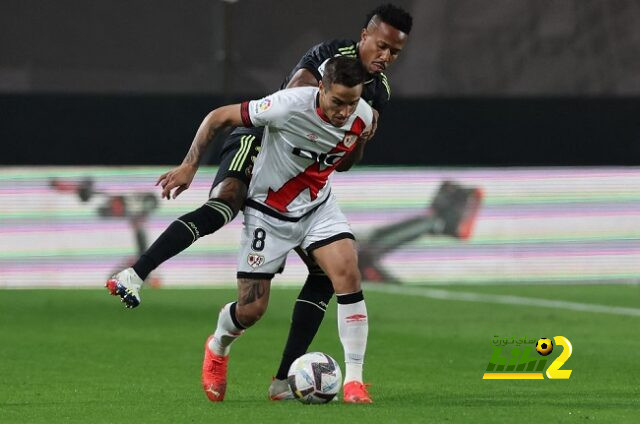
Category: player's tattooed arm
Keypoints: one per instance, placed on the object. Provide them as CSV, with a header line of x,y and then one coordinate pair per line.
x,y
216,120
180,177
356,154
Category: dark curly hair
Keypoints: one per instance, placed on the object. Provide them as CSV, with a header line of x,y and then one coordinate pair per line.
x,y
392,15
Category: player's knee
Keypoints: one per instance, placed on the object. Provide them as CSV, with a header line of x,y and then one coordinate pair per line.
x,y
251,313
317,289
346,279
234,200
314,268
220,207
231,191
208,218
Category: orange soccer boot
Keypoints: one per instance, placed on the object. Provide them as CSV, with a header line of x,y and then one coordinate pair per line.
x,y
356,392
214,374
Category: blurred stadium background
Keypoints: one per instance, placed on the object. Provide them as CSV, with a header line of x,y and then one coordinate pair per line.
x,y
572,225
533,102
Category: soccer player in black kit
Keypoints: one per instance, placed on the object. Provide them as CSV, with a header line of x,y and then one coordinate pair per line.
x,y
381,40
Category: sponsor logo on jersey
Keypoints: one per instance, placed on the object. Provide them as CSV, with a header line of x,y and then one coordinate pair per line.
x,y
263,105
255,260
328,159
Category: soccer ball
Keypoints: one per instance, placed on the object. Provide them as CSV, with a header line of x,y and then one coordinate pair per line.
x,y
315,378
544,346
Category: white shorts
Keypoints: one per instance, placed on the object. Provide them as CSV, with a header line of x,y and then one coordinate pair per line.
x,y
266,240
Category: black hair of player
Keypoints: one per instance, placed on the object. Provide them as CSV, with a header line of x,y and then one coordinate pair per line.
x,y
343,70
393,15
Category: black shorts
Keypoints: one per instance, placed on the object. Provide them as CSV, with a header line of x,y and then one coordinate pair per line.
x,y
238,154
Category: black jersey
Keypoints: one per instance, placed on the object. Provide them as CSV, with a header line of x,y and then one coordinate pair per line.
x,y
376,90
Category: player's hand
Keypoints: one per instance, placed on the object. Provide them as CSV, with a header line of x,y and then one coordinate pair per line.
x,y
368,133
179,178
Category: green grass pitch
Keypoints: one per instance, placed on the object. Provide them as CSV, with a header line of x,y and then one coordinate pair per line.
x,y
77,356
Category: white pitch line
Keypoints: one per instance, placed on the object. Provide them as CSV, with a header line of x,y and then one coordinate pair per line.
x,y
503,299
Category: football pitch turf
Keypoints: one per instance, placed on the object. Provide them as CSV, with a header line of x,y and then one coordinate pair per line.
x,y
79,356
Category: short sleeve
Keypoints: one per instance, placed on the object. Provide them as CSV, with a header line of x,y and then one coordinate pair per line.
x,y
272,110
315,59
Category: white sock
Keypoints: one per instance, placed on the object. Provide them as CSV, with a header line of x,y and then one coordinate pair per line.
x,y
226,332
353,327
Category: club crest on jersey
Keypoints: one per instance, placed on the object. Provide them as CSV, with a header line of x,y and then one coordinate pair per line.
x,y
312,137
255,260
263,105
349,140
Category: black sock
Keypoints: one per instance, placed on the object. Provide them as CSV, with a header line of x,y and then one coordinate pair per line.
x,y
182,233
308,313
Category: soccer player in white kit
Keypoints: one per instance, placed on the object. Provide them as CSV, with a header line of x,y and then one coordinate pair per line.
x,y
308,130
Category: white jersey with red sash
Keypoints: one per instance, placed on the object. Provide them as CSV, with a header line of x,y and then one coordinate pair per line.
x,y
300,150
